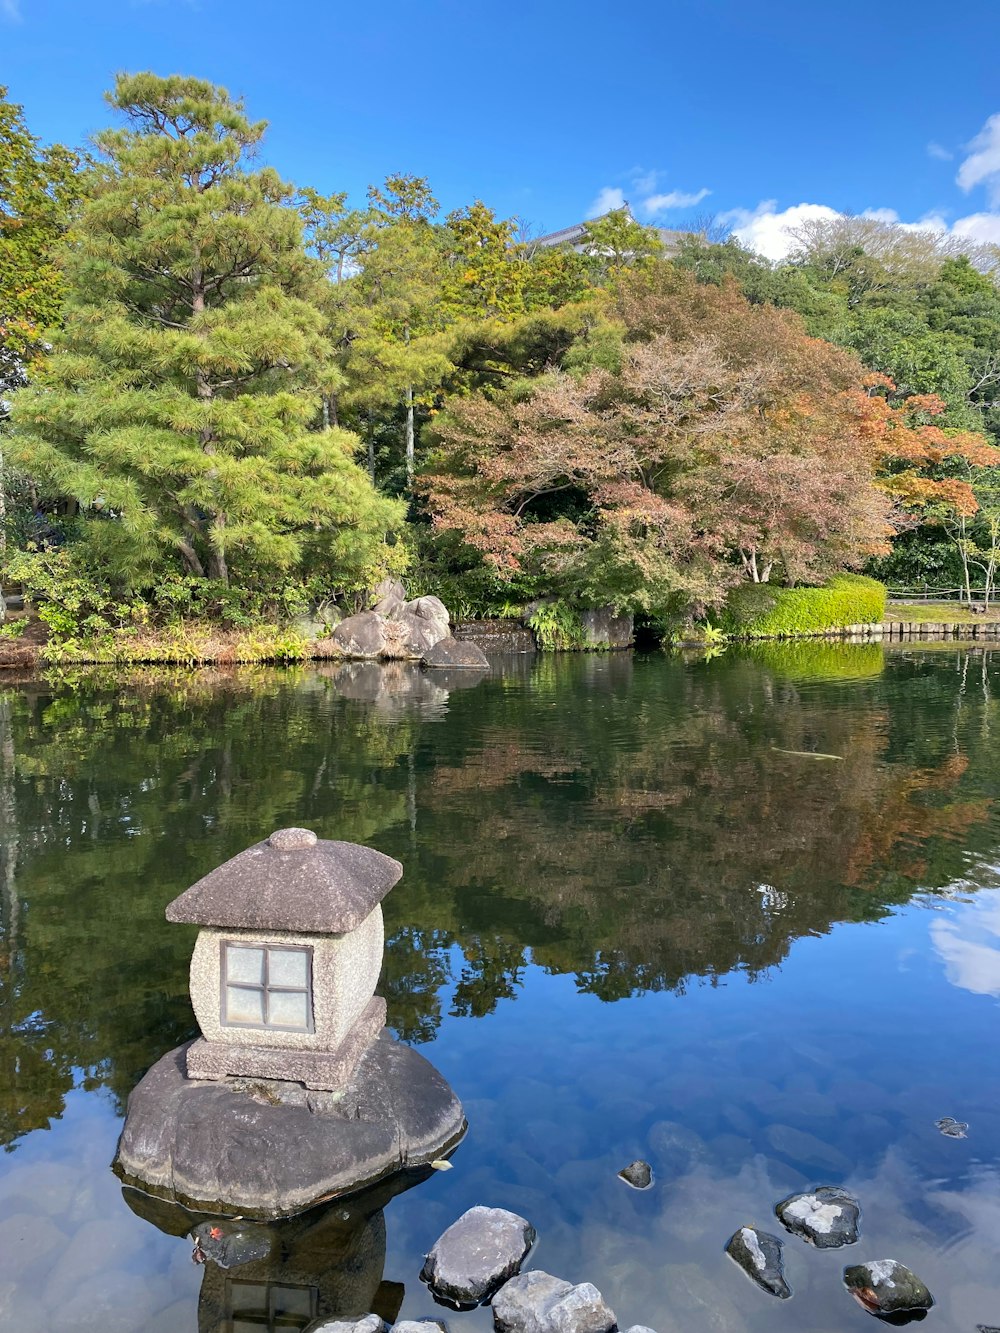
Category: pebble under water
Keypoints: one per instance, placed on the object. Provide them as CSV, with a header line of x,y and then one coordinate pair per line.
x,y
643,917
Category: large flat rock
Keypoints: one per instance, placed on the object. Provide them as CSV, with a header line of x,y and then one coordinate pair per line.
x,y
266,1150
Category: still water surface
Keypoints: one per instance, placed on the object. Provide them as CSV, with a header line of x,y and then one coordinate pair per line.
x,y
633,923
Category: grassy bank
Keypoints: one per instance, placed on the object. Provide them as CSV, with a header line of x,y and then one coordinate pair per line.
x,y
942,613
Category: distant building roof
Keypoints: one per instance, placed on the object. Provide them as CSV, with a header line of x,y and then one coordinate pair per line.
x,y
575,236
292,881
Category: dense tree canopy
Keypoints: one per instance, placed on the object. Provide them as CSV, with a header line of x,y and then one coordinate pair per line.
x,y
184,390
246,378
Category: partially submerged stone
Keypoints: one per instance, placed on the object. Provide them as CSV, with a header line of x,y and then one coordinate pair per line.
x,y
638,1174
758,1253
420,1326
458,654
369,1323
886,1287
537,1302
210,1144
952,1128
476,1255
826,1217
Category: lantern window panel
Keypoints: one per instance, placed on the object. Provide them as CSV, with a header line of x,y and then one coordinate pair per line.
x,y
267,986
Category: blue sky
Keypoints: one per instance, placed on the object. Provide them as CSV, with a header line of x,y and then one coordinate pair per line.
x,y
682,107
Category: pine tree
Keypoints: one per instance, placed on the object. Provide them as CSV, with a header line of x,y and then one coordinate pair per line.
x,y
185,391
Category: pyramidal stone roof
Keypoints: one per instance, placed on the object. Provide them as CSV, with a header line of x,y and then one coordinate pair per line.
x,y
291,881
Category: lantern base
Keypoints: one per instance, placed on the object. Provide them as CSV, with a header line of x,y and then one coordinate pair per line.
x,y
269,1149
322,1070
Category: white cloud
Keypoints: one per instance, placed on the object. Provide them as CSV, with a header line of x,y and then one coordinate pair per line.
x,y
968,944
608,198
982,166
941,153
766,230
661,203
11,10
982,227
645,181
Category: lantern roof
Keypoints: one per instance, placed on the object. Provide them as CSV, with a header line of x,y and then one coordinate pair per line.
x,y
292,881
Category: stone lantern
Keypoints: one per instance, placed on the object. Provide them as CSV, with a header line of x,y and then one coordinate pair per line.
x,y
295,1093
284,971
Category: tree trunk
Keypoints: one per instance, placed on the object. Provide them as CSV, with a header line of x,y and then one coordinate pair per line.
x,y
409,435
217,568
371,451
3,509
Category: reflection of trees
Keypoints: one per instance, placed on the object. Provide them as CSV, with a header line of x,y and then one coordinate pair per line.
x,y
631,823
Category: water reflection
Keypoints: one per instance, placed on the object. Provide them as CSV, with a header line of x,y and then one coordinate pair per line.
x,y
326,1263
573,832
639,824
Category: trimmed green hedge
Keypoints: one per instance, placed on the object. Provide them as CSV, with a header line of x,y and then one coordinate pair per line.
x,y
757,610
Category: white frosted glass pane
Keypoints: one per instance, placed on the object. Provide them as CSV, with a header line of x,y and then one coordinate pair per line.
x,y
287,1009
287,967
248,1297
244,965
292,1300
244,1006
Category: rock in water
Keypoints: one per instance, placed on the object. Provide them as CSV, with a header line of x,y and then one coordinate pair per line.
x,y
952,1128
214,1143
826,1217
638,1174
229,1243
420,1326
887,1287
369,1323
476,1255
758,1253
537,1302
460,654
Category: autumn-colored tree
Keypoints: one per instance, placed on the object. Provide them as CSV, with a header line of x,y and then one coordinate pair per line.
x,y
726,443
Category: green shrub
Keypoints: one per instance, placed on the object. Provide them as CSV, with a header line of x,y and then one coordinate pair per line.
x,y
557,627
758,610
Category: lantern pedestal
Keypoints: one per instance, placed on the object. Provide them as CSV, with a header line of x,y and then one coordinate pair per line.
x,y
269,1148
322,1070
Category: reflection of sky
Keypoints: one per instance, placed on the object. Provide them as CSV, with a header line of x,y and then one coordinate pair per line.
x,y
968,942
832,1069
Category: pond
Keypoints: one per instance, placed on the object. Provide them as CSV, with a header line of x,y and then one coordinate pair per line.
x,y
739,917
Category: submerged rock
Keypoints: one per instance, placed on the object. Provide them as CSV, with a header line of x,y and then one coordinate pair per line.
x,y
420,1326
537,1302
638,1174
951,1128
826,1217
229,1243
758,1253
887,1287
477,1254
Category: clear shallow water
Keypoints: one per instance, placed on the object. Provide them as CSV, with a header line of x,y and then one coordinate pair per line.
x,y
630,925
